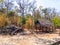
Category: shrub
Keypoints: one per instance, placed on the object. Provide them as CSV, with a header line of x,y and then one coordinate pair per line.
x,y
17,20
23,20
2,20
11,13
56,21
29,23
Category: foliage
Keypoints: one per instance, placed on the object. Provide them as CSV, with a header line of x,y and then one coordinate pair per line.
x,y
2,1
17,20
11,13
56,21
49,13
3,10
5,20
29,23
23,21
2,20
29,15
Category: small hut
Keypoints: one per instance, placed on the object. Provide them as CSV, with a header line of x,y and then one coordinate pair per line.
x,y
44,25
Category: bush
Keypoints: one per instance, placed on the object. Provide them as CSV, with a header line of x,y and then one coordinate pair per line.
x,y
11,14
23,21
56,21
17,20
3,20
29,23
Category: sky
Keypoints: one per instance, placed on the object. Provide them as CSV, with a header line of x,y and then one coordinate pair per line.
x,y
49,4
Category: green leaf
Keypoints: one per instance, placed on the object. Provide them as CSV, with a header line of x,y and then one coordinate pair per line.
x,y
2,1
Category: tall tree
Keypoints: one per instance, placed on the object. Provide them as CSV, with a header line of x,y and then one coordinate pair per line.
x,y
2,9
26,6
8,5
36,14
1,2
49,13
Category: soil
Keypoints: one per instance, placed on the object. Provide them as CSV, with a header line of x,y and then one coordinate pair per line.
x,y
41,39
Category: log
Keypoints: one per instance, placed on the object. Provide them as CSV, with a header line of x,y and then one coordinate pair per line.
x,y
18,29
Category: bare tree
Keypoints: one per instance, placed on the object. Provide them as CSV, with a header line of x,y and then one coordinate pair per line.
x,y
49,13
1,5
8,5
26,6
36,14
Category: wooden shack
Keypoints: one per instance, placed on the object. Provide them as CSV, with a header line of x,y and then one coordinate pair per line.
x,y
44,25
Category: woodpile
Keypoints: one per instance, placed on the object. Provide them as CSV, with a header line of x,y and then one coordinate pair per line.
x,y
12,29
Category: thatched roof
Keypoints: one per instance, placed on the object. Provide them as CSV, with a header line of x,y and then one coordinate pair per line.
x,y
45,22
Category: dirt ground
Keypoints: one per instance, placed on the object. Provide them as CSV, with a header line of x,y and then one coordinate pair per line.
x,y
27,39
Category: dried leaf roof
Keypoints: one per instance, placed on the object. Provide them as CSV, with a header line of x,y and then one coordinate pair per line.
x,y
45,22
